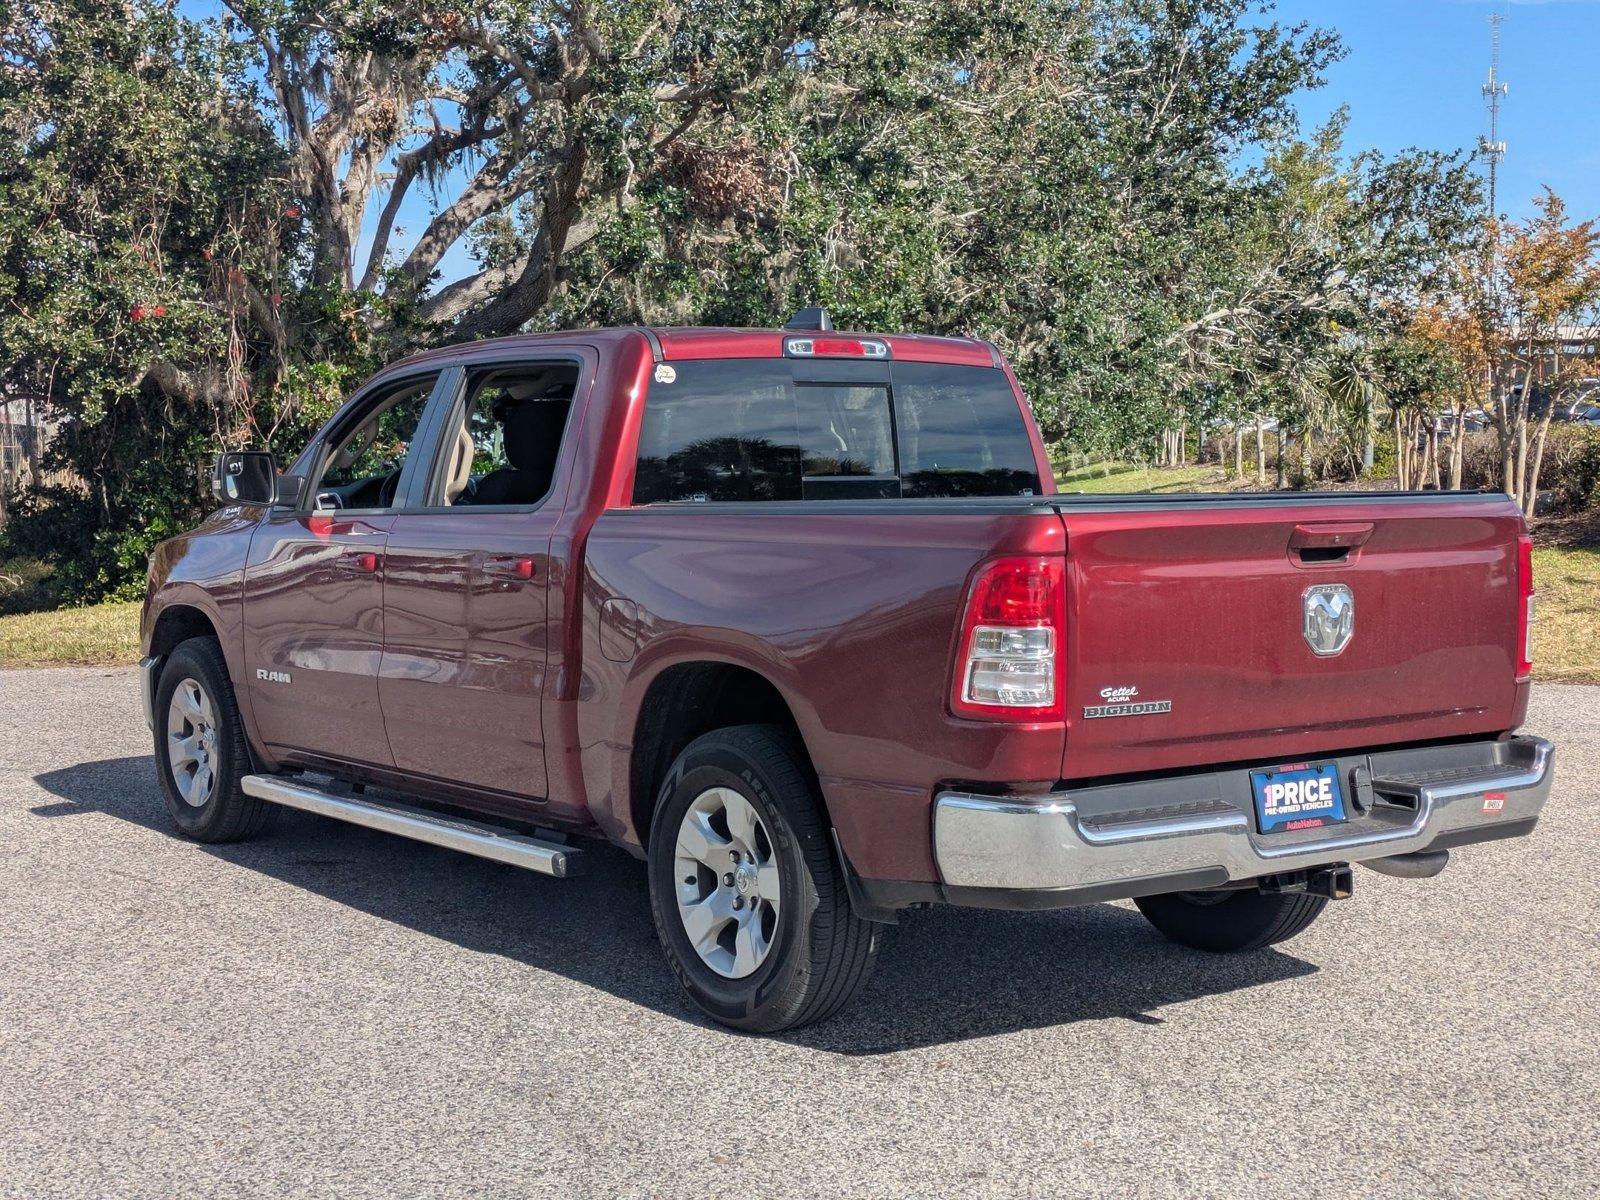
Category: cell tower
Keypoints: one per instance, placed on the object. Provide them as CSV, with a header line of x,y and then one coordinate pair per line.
x,y
1491,147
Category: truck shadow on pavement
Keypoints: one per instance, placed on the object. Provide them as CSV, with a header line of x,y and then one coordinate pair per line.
x,y
945,975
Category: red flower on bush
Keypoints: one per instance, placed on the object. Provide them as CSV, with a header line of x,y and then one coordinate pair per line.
x,y
292,211
138,312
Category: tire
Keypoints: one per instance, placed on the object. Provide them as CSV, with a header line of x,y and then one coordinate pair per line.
x,y
196,715
1225,922
796,953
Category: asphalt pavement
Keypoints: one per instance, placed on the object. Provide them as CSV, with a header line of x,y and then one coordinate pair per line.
x,y
331,1012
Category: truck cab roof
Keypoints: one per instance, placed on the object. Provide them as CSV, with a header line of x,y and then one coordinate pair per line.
x,y
679,343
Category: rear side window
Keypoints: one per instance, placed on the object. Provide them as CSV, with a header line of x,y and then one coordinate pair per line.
x,y
961,433
745,429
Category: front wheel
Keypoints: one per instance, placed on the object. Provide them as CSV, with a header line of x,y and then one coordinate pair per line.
x,y
749,902
1228,921
201,753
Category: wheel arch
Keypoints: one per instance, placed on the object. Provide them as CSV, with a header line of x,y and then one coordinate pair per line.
x,y
688,699
177,623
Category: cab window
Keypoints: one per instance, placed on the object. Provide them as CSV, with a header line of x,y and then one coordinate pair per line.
x,y
505,441
363,465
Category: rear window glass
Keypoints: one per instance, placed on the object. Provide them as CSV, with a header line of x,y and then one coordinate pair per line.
x,y
961,433
744,429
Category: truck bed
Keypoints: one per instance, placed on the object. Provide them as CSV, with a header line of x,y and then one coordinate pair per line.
x,y
852,608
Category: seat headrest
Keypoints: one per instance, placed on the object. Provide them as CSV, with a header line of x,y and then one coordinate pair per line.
x,y
532,433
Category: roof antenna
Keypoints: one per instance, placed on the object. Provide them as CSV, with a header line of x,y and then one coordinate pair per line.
x,y
811,318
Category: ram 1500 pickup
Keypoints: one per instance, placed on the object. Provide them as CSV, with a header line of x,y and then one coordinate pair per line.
x,y
799,618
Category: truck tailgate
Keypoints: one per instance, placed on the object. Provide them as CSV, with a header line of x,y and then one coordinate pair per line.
x,y
1186,626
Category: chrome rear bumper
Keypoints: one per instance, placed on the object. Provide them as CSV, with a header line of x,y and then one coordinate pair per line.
x,y
1201,827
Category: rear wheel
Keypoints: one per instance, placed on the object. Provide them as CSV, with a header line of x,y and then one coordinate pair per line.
x,y
749,902
1228,921
201,754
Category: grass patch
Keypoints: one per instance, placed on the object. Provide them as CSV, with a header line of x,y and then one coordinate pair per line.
x,y
99,635
1566,631
1122,478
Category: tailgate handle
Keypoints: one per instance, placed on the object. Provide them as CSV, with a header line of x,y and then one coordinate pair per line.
x,y
1331,542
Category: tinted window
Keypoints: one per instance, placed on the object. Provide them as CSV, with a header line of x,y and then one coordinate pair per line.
x,y
961,433
742,429
720,431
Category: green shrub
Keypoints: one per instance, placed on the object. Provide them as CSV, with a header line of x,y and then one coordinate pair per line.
x,y
1570,469
26,585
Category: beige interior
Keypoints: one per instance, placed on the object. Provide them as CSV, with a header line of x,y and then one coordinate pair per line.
x,y
460,467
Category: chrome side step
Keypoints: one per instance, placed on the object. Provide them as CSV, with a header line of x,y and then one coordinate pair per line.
x,y
420,825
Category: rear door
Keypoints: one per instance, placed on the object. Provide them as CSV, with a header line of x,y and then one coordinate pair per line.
x,y
313,589
467,580
1213,630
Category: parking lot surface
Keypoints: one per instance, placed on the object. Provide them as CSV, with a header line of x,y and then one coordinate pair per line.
x,y
327,1011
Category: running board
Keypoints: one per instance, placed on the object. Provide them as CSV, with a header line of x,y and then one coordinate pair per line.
x,y
420,825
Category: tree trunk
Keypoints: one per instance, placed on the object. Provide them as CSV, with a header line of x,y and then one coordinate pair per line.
x,y
1238,450
1426,465
5,471
1261,452
1400,451
1458,448
1532,480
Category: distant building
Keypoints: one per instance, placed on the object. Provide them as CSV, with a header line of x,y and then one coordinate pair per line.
x,y
24,434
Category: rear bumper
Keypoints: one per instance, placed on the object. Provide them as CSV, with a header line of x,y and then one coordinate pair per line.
x,y
1196,831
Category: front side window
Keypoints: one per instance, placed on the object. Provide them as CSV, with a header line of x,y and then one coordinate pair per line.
x,y
365,460
746,429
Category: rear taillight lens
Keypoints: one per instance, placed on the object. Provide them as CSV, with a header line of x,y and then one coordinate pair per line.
x,y
1524,607
1008,659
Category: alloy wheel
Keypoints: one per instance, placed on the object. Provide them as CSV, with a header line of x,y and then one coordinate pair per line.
x,y
192,743
727,882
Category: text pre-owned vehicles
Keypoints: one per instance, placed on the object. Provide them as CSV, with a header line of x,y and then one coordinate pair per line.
x,y
797,617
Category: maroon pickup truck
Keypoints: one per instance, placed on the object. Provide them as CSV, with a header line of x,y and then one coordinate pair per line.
x,y
799,618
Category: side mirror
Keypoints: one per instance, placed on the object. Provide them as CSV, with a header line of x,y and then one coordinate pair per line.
x,y
244,477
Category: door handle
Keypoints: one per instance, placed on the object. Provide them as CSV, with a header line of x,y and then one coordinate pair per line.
x,y
359,562
1348,535
509,566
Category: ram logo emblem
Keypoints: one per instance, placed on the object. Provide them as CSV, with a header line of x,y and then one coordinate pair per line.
x,y
1330,618
267,676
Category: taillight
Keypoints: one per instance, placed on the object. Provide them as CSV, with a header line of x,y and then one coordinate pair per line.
x,y
835,347
1524,607
1008,659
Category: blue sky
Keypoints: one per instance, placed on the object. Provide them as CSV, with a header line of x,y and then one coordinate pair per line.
x,y
1415,66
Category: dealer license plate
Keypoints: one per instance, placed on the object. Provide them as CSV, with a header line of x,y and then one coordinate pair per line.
x,y
1303,796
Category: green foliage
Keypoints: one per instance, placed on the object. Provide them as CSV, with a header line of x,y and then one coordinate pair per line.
x,y
1114,191
134,187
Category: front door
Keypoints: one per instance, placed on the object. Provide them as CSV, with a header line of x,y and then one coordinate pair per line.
x,y
313,586
466,585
